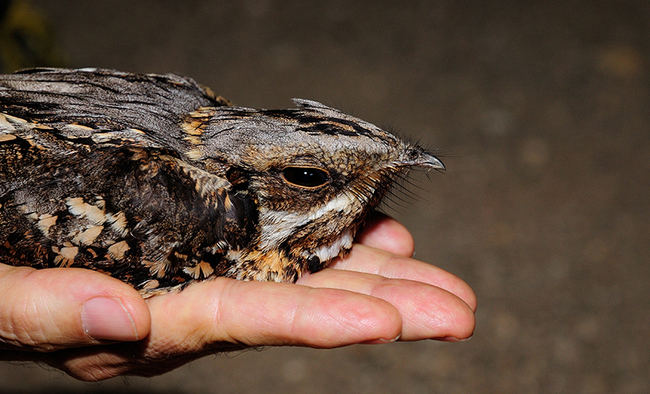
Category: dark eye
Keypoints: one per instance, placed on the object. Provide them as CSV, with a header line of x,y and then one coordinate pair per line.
x,y
310,177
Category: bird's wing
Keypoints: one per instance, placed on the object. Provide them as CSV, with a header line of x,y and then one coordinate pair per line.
x,y
106,101
92,175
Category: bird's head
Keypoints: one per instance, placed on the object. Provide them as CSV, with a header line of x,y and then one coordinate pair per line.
x,y
314,172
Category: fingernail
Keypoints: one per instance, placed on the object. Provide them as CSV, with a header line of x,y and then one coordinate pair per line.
x,y
453,339
107,318
383,340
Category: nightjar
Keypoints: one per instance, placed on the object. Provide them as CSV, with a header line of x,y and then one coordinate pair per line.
x,y
156,181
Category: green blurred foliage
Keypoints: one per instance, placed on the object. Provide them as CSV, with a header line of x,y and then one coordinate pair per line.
x,y
26,38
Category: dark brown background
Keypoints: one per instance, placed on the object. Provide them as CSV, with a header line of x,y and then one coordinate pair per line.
x,y
542,111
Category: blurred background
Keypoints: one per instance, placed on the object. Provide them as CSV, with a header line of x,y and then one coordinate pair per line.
x,y
541,112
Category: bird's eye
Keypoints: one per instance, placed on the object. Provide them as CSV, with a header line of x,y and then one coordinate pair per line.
x,y
306,177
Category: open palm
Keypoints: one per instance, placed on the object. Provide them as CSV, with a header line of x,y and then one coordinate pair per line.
x,y
95,327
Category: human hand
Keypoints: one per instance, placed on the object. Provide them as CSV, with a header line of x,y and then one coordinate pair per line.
x,y
95,327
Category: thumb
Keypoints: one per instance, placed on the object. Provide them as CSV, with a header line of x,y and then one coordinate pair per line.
x,y
51,309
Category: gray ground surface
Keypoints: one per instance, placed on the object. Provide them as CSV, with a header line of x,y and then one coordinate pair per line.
x,y
542,111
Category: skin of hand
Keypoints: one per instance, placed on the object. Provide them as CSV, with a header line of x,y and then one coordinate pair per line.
x,y
95,327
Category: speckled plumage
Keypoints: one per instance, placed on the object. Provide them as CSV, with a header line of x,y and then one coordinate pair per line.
x,y
158,182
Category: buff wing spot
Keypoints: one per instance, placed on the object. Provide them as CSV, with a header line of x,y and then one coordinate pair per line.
x,y
117,223
65,255
7,137
118,250
202,270
157,268
45,222
88,236
78,207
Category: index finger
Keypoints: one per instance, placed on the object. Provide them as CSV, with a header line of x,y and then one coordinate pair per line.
x,y
223,314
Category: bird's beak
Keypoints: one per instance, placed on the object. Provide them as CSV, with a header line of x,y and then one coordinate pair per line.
x,y
429,160
420,158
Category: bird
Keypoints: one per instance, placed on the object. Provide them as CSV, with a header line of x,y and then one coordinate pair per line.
x,y
159,182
